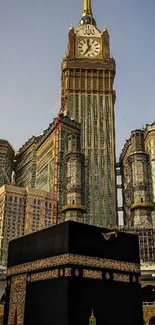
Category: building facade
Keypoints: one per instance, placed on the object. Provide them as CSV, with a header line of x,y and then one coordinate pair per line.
x,y
74,205
137,162
43,180
137,180
149,135
6,162
88,73
22,211
40,162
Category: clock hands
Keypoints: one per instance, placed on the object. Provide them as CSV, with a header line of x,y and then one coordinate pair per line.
x,y
86,51
88,42
88,48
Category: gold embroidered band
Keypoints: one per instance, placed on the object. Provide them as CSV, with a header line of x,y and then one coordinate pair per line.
x,y
75,260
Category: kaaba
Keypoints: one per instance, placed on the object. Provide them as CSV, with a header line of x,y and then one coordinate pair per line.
x,y
60,274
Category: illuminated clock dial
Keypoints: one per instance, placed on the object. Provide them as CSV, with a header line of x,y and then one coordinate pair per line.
x,y
89,48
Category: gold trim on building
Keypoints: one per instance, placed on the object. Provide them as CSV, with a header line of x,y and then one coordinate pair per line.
x,y
73,207
142,205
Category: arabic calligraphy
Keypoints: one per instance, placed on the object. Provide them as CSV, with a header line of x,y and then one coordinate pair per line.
x,y
89,30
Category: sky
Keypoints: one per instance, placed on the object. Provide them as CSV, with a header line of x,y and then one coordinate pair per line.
x,y
33,40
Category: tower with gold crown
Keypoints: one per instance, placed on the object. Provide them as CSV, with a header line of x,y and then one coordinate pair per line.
x,y
87,96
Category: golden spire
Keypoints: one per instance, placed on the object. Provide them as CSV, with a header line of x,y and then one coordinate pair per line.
x,y
87,14
87,10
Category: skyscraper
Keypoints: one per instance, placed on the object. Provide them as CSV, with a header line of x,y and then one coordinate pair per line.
x,y
88,72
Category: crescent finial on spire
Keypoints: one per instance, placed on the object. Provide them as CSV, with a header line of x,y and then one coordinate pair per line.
x,y
87,14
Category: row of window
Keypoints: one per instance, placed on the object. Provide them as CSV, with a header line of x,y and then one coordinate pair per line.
x,y
14,199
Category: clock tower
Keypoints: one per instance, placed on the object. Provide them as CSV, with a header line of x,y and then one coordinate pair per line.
x,y
87,96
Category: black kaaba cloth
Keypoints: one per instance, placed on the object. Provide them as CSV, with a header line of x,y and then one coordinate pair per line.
x,y
58,275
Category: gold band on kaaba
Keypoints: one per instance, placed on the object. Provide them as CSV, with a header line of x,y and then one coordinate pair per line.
x,y
66,259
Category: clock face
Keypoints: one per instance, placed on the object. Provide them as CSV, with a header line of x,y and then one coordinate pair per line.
x,y
88,47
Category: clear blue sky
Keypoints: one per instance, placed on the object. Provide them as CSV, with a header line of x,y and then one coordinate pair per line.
x,y
33,38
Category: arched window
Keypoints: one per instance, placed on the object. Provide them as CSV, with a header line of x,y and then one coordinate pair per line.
x,y
148,293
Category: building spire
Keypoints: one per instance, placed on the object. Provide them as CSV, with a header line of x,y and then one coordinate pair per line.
x,y
87,14
87,9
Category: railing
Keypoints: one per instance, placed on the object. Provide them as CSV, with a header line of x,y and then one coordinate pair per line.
x,y
148,303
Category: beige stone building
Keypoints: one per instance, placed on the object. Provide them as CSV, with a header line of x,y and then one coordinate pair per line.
x,y
22,211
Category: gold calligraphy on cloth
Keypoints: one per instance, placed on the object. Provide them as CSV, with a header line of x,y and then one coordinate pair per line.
x,y
65,259
17,300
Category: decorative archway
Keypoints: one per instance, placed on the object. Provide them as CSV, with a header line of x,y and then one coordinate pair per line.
x,y
148,293
149,313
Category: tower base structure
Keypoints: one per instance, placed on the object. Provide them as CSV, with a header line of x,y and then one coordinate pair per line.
x,y
60,274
